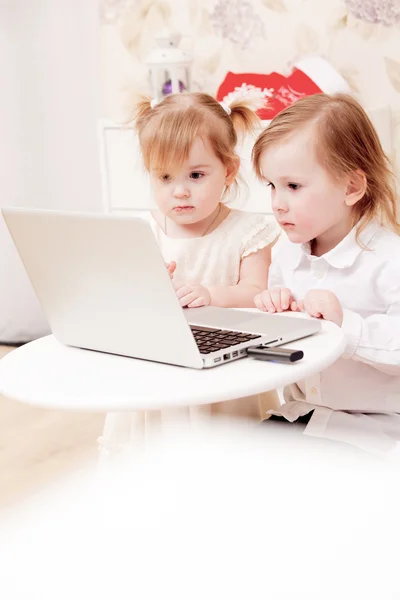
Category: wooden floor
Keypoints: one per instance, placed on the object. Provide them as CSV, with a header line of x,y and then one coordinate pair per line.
x,y
38,445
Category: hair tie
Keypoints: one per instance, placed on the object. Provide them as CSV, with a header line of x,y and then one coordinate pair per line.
x,y
153,102
226,108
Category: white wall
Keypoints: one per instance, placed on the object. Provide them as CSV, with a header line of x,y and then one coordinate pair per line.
x,y
49,103
49,109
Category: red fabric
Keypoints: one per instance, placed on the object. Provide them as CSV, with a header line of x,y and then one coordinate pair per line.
x,y
285,90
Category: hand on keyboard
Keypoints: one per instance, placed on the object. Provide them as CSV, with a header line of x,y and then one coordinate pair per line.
x,y
193,296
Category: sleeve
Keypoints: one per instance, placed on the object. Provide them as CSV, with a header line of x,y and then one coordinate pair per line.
x,y
375,340
260,231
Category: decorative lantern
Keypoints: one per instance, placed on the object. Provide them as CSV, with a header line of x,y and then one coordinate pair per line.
x,y
169,67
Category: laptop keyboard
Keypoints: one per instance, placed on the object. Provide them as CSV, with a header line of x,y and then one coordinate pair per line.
x,y
211,340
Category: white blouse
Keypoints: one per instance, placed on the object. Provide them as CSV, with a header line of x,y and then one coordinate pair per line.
x,y
215,258
365,381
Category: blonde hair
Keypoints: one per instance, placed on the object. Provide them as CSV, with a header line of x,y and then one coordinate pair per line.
x,y
167,131
345,141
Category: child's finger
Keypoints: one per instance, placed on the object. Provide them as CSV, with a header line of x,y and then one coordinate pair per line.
x,y
197,303
312,309
268,301
183,291
186,300
258,301
297,306
171,268
285,299
275,300
316,314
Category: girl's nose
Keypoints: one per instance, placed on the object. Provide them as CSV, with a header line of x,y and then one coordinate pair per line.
x,y
278,204
181,191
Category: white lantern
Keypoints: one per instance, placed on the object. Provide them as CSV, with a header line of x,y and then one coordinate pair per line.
x,y
169,67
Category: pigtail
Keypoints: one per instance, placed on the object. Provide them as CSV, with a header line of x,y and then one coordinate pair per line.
x,y
167,129
244,117
141,113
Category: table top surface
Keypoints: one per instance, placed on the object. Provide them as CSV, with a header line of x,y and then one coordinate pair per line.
x,y
48,374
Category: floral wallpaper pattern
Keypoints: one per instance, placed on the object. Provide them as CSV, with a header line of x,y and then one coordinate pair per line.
x,y
360,38
237,21
386,12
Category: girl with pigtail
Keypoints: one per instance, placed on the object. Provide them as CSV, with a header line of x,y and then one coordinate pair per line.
x,y
216,255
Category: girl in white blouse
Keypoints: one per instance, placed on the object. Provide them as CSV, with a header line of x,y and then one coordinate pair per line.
x,y
216,255
333,194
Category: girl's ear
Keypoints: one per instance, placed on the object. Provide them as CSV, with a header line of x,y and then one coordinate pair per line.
x,y
232,171
356,187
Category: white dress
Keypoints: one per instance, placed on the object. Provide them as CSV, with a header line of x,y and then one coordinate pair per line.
x,y
215,258
210,260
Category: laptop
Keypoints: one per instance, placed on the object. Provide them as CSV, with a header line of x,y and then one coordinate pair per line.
x,y
103,285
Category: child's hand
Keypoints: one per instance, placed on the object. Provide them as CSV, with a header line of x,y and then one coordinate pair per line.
x,y
171,266
276,300
193,296
323,304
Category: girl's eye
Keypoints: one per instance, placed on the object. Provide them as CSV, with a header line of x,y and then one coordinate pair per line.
x,y
271,185
196,175
294,186
165,177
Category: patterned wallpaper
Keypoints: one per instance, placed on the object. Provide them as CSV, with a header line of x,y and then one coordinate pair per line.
x,y
360,38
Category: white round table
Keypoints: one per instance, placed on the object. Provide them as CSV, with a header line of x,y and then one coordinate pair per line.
x,y
48,374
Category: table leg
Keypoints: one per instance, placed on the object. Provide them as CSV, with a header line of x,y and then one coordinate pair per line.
x,y
121,432
129,431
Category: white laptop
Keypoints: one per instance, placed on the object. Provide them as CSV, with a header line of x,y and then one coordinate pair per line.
x,y
103,286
